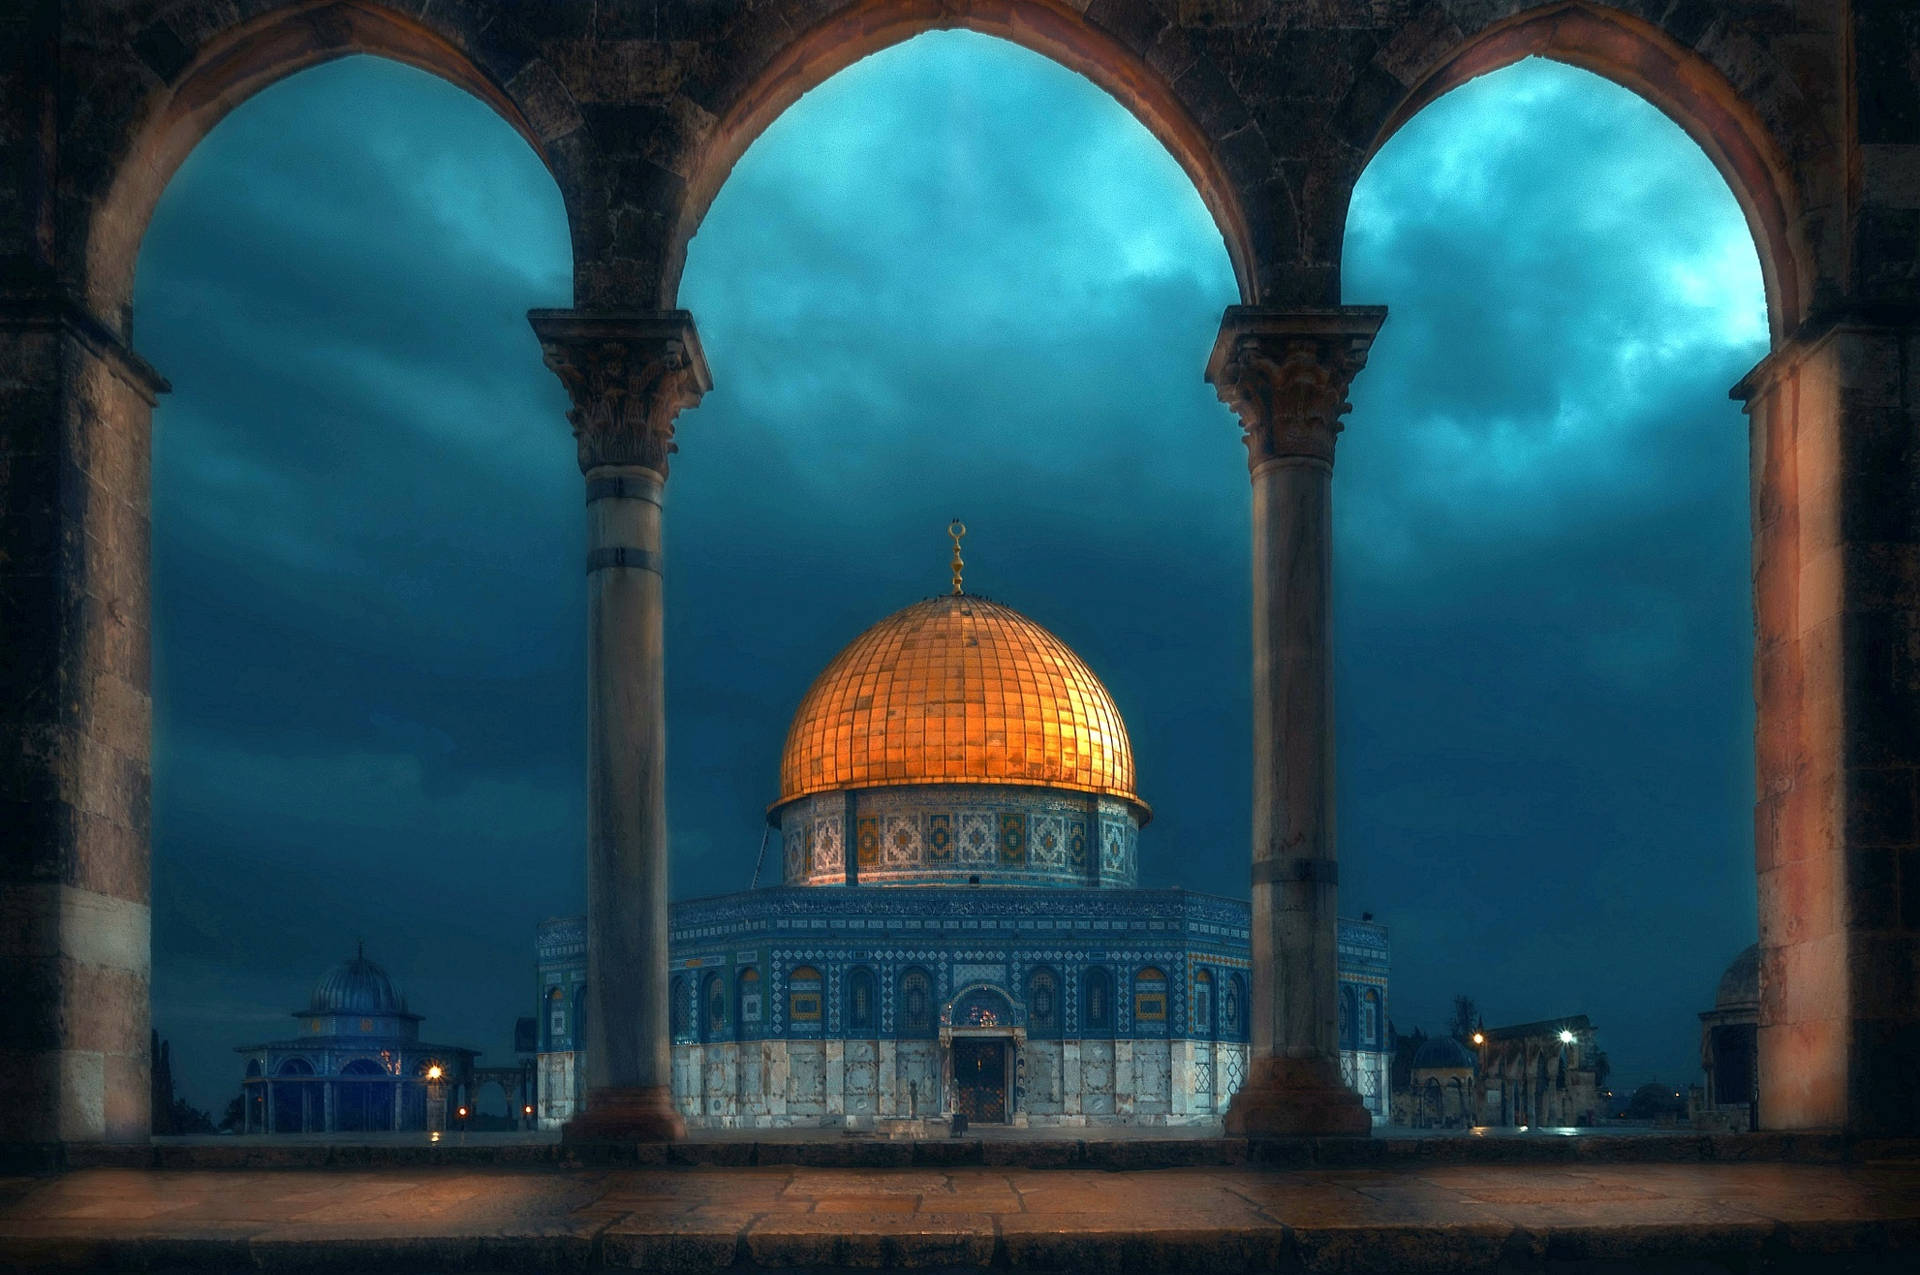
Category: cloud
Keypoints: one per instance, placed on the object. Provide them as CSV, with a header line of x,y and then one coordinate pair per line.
x,y
954,280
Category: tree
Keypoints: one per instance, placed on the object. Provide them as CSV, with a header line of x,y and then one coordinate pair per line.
x,y
1404,1050
1460,1026
236,1115
169,1113
160,1096
1653,1100
188,1118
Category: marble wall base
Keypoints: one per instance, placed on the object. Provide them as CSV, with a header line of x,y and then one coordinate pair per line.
x,y
851,1083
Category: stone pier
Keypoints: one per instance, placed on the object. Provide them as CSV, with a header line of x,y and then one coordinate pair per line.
x,y
1285,373
630,375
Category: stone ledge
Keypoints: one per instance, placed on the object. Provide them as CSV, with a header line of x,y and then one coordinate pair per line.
x,y
836,1244
1411,1218
830,1151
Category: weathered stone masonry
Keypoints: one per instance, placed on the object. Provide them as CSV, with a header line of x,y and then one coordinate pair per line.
x,y
1810,108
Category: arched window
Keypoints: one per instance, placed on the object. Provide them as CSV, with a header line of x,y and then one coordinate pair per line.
x,y
1099,999
677,1025
1043,1000
916,1002
295,1067
253,1066
713,1001
749,997
1150,997
1233,1008
1370,1017
861,1013
1348,1003
556,1017
1203,1003
803,997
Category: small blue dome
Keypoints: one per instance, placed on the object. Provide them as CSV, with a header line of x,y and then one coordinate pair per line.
x,y
1740,985
1442,1052
357,986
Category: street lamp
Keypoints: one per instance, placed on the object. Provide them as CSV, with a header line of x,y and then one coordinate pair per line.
x,y
1566,1037
436,1099
1479,1038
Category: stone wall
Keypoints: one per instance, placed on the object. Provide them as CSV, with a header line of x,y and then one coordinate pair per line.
x,y
778,1083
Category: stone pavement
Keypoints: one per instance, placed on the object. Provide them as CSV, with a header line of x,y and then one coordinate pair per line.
x,y
1438,1217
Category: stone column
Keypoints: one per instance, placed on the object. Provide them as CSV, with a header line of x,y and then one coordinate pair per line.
x,y
75,424
1834,416
1285,373
629,375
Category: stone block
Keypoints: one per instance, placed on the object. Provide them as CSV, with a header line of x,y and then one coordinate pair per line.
x,y
889,1241
1803,1080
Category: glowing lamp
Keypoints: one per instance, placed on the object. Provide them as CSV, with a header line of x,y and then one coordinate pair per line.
x,y
1566,1037
434,1072
1479,1038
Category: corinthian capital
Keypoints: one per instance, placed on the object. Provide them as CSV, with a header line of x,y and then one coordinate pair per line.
x,y
1285,374
629,375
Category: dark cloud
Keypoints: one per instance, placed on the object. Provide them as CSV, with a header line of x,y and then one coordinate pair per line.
x,y
955,280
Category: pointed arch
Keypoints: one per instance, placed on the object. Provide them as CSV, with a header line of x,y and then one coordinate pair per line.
x,y
1056,29
241,61
1684,86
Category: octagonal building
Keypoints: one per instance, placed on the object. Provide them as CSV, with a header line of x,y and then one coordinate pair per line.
x,y
958,929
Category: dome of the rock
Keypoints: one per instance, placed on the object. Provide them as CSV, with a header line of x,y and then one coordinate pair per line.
x,y
957,689
959,742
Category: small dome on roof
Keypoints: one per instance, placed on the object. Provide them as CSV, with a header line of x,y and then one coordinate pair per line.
x,y
357,986
1740,985
1443,1052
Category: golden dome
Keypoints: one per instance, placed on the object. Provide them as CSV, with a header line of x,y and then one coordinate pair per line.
x,y
957,690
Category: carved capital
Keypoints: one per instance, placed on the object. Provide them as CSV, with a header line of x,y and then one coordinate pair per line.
x,y
630,375
1285,374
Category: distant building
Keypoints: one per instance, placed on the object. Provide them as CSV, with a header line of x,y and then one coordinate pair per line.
x,y
958,930
1540,1074
357,1063
1729,1053
1530,1075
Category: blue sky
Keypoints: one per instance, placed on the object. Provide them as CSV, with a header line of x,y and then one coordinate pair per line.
x,y
955,280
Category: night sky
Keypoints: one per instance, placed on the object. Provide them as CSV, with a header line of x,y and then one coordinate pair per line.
x,y
957,280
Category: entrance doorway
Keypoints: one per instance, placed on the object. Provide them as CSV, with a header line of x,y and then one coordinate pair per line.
x,y
980,1080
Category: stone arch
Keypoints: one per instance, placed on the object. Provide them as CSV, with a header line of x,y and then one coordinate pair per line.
x,y
863,1000
715,1012
202,85
486,1084
1045,1000
990,998
1648,61
918,1014
750,96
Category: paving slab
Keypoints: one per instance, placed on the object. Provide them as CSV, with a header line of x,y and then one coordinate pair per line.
x,y
1415,1217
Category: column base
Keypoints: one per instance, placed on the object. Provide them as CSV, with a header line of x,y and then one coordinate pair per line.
x,y
627,1115
1296,1098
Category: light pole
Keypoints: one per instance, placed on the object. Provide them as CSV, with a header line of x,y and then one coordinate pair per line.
x,y
436,1100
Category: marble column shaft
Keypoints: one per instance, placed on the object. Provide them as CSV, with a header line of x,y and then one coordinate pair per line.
x,y
1285,373
629,375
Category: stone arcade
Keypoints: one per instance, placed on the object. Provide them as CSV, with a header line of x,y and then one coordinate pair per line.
x,y
982,950
1809,109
